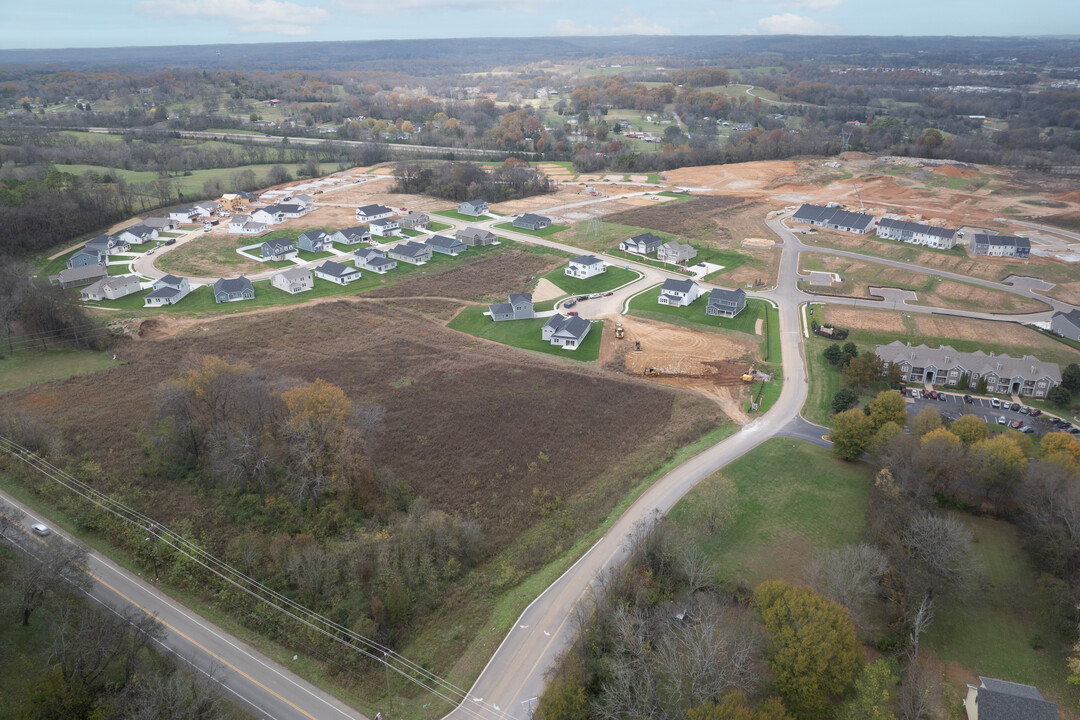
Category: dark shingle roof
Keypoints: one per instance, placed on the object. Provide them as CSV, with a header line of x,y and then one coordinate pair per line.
x,y
683,286
833,216
373,210
336,269
232,285
721,296
1006,240
442,241
905,226
586,260
1001,700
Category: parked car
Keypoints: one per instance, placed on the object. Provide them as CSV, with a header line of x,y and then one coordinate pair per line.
x,y
572,312
151,251
582,297
1024,409
594,296
933,394
170,241
1015,407
608,294
1035,412
1002,420
942,397
968,399
40,529
995,403
569,303
1027,429
1016,424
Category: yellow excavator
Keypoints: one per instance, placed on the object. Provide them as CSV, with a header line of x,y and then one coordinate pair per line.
x,y
651,372
748,376
619,332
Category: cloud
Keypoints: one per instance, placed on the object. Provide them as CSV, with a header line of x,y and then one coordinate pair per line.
x,y
278,17
634,26
792,24
382,7
798,4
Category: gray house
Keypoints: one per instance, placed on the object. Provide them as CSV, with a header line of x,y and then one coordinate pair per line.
x,y
566,332
293,280
834,218
86,256
278,249
352,236
476,236
476,208
168,290
1001,246
111,288
414,220
161,224
530,221
337,273
373,260
314,241
1067,325
410,252
1001,700
642,244
519,307
675,252
233,290
944,365
79,276
725,303
446,245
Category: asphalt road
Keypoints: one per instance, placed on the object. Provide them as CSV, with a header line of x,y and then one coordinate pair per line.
x,y
261,685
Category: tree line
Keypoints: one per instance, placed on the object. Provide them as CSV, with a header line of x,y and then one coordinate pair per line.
x,y
460,181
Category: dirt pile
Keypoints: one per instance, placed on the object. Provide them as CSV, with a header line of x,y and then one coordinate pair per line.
x,y
955,171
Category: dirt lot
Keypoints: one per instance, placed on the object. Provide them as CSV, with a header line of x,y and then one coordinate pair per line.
x,y
209,255
707,363
860,275
489,279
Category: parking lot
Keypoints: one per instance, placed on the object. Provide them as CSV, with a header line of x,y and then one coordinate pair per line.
x,y
953,406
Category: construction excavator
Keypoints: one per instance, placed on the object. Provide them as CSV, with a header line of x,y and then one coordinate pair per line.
x,y
748,376
619,332
651,372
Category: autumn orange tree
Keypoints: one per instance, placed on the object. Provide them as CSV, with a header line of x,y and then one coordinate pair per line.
x,y
317,431
813,652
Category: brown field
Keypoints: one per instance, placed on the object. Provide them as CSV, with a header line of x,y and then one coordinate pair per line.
x,y
858,319
444,394
209,255
859,275
489,279
703,218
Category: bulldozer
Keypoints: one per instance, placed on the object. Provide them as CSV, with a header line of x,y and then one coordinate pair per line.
x,y
748,376
619,332
651,372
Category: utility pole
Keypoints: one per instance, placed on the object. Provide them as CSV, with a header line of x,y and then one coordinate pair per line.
x,y
386,666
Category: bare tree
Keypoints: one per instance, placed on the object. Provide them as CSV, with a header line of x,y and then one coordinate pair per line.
x,y
941,545
46,571
717,500
849,576
916,693
921,620
10,520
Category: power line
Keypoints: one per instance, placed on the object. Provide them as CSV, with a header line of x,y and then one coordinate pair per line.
x,y
390,659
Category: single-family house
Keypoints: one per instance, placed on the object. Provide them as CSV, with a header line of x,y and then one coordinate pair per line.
x,y
138,234
293,280
411,252
167,290
206,208
944,365
476,236
305,201
161,224
367,213
373,260
675,252
111,288
278,249
679,293
384,227
446,245
585,266
269,215
725,303
183,214
351,236
414,220
1002,700
518,307
475,208
916,233
233,289
531,221
105,245
834,218
79,276
567,332
1000,246
290,210
241,224
643,244
86,256
314,241
1067,325
337,273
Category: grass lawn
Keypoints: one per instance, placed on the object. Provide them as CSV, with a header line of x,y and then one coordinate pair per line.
x,y
989,630
693,316
524,334
607,235
824,382
438,226
612,278
730,259
308,256
460,216
794,500
52,267
189,184
32,366
770,345
542,232
124,269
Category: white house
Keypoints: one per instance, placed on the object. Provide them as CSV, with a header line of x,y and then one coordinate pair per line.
x,y
916,233
337,273
384,227
290,210
566,332
244,225
475,208
367,213
676,252
351,236
168,290
293,280
270,215
679,293
206,208
585,266
111,288
138,234
642,244
373,260
183,215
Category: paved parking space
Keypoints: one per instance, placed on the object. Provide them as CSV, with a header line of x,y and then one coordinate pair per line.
x,y
954,406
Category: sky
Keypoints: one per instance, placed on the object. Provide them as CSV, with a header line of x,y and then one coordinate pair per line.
x,y
120,23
